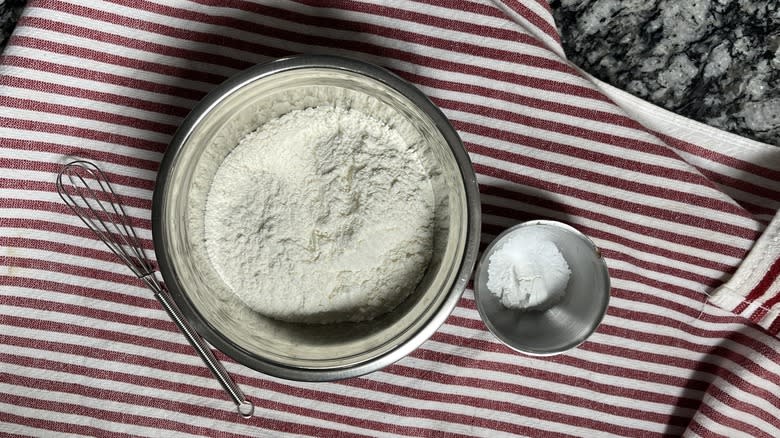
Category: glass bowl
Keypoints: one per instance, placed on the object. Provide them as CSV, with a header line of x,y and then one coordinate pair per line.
x,y
299,351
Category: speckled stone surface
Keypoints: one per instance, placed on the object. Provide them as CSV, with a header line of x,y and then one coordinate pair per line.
x,y
715,61
9,14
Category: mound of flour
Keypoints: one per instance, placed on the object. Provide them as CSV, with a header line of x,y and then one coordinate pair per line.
x,y
526,273
321,215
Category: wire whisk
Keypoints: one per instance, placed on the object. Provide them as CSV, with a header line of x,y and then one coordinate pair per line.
x,y
88,193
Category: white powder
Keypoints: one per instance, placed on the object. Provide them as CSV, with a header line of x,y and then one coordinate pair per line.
x,y
321,215
526,273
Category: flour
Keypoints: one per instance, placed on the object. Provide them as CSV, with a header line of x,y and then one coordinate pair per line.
x,y
321,215
525,273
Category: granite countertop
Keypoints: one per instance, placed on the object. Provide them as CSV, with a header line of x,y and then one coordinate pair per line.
x,y
9,14
715,61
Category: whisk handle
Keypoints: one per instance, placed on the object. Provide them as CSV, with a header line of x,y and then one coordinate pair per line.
x,y
244,406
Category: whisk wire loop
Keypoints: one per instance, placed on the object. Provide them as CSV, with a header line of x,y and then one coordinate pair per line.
x,y
86,190
88,193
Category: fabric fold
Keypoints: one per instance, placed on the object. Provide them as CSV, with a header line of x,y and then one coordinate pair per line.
x,y
754,290
677,209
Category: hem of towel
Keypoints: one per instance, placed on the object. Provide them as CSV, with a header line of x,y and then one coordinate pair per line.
x,y
754,290
657,119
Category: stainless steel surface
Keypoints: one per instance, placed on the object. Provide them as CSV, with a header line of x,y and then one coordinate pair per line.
x,y
566,324
87,191
301,351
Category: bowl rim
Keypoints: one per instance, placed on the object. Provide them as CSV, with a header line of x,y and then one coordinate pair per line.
x,y
258,72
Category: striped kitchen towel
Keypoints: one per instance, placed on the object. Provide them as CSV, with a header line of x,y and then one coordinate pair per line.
x,y
683,214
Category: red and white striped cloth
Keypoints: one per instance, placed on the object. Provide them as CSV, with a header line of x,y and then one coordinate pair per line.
x,y
688,346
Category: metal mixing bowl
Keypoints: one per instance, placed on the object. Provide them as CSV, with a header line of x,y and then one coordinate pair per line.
x,y
307,351
566,324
